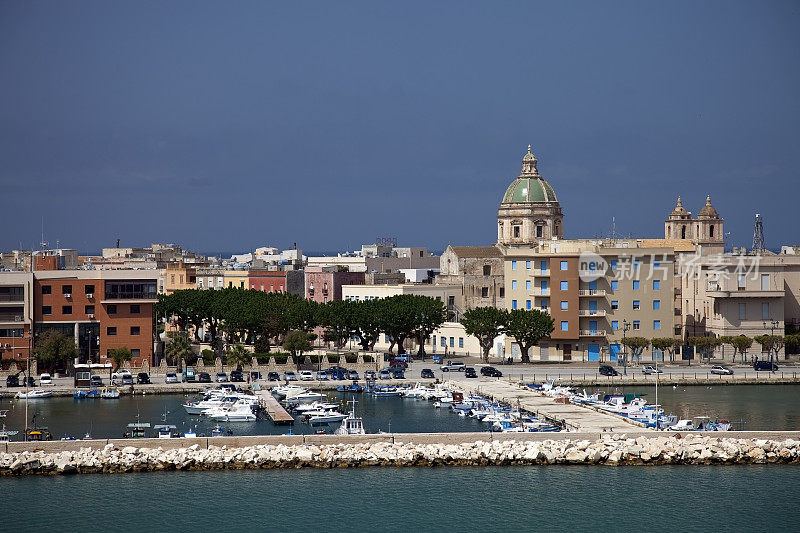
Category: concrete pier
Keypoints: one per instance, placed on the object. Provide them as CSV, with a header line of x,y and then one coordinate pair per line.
x,y
274,410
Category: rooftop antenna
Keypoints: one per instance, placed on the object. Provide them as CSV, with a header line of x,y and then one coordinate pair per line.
x,y
44,244
613,227
758,235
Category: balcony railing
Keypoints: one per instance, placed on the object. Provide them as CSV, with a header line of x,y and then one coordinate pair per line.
x,y
592,292
592,333
539,292
591,312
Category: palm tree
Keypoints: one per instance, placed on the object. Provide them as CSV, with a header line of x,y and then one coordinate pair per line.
x,y
179,348
238,356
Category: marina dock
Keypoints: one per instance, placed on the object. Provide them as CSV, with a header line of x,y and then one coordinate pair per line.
x,y
277,414
572,416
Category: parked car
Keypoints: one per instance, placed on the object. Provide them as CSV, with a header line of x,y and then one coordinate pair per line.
x,y
188,375
721,370
322,375
403,357
384,374
127,379
399,362
491,371
170,377
221,377
12,381
255,375
289,375
606,370
454,366
352,374
204,377
647,370
306,375
337,374
31,381
394,368
143,378
370,375
469,372
765,365
426,373
273,376
117,374
237,376
45,379
398,374
95,381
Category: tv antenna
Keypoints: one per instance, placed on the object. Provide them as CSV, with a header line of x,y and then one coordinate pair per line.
x,y
758,235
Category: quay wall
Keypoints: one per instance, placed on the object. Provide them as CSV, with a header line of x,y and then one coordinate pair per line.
x,y
237,453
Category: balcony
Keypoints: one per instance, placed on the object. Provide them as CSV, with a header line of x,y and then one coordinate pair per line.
x,y
592,333
592,292
539,292
591,312
718,293
541,273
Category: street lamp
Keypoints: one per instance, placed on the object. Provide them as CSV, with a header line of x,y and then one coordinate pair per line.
x,y
772,326
625,327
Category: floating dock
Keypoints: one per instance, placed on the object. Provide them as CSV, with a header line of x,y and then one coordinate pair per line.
x,y
275,411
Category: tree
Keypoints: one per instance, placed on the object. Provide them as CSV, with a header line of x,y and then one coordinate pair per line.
x,y
429,314
636,345
398,319
770,343
54,347
704,345
485,323
337,317
792,342
741,343
528,328
666,344
119,356
367,322
238,356
297,342
179,348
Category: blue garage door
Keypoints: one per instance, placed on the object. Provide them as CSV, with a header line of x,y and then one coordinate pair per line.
x,y
594,352
613,351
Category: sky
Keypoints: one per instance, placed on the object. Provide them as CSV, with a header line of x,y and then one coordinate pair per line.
x,y
224,126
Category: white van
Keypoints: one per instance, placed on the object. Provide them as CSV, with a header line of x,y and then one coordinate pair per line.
x,y
306,375
45,379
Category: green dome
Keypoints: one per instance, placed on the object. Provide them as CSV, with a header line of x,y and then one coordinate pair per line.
x,y
523,190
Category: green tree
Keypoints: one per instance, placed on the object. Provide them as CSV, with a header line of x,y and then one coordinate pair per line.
x,y
119,356
429,314
238,356
704,345
367,320
337,317
54,349
636,345
667,344
792,342
179,348
741,343
398,319
297,342
770,343
528,328
484,323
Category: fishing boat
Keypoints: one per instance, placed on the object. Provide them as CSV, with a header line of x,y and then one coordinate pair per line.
x,y
38,434
165,431
34,394
109,393
137,430
352,425
385,392
6,434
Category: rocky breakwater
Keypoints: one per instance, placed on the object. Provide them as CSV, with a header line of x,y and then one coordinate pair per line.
x,y
612,450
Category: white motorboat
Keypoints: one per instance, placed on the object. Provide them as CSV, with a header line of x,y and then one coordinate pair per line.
x,y
199,408
109,393
165,431
240,411
682,425
304,397
287,391
34,394
316,406
325,417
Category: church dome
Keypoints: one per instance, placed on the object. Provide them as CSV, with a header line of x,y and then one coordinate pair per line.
x,y
708,210
679,211
530,186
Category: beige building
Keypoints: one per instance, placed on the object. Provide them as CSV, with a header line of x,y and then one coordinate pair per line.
x,y
478,271
449,294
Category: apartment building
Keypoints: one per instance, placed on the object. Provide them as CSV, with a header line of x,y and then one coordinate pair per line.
x,y
597,292
16,314
323,284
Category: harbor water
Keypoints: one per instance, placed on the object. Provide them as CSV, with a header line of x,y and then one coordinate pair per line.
x,y
552,498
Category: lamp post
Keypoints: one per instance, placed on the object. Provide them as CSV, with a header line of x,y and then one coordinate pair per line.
x,y
772,326
625,327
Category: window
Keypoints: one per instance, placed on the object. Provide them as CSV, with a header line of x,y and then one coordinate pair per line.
x,y
66,289
765,311
111,331
527,265
112,309
543,285
135,353
614,325
764,282
539,230
502,292
513,304
741,282
564,325
513,284
47,310
135,330
513,265
66,309
636,304
543,267
614,285
545,304
614,304
528,285
452,342
47,289
656,325
444,342
636,265
516,232
461,342
613,264
636,324
528,305
656,304
742,311
563,265
593,285
564,286
89,309
636,285
487,270
484,292
656,284
88,289
564,305
135,309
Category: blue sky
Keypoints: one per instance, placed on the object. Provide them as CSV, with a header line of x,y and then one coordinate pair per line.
x,y
230,125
